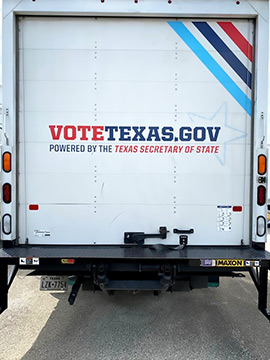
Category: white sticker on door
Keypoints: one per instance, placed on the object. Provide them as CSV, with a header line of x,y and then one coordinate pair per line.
x,y
224,218
42,233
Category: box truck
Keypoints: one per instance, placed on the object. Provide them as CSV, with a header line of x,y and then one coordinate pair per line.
x,y
134,144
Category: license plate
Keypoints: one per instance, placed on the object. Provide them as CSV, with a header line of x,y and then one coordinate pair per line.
x,y
54,283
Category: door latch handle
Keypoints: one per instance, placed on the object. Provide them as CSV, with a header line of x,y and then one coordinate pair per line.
x,y
177,231
139,237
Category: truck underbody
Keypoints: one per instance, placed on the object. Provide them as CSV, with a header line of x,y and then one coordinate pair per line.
x,y
137,268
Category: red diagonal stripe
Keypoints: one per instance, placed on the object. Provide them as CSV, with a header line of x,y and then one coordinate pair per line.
x,y
237,38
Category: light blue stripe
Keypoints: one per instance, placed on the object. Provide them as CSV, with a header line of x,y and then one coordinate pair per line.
x,y
212,65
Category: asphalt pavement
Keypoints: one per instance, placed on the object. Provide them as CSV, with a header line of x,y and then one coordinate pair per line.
x,y
215,323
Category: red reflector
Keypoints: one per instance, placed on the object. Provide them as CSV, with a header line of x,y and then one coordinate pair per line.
x,y
237,208
261,195
33,207
7,193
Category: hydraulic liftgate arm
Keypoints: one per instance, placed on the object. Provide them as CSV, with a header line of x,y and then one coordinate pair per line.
x,y
260,280
262,303
5,283
3,288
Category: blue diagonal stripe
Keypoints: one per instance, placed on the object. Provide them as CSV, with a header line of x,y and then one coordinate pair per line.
x,y
224,51
212,65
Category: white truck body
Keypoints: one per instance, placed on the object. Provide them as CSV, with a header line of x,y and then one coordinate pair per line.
x,y
134,144
123,128
125,123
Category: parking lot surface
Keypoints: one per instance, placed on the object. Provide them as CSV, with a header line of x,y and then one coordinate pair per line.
x,y
215,323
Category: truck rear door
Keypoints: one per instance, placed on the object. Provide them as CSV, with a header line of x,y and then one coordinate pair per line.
x,y
132,124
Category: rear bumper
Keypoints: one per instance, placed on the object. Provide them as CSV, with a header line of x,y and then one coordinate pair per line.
x,y
131,253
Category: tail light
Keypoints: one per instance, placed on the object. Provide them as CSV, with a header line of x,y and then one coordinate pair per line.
x,y
261,164
261,197
7,193
261,226
6,224
7,161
